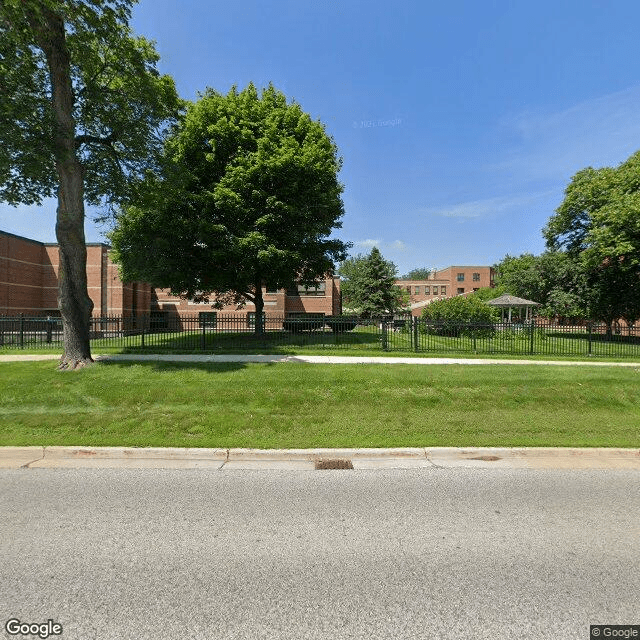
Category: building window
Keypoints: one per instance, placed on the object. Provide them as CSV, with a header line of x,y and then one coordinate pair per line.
x,y
476,277
208,318
417,290
435,290
251,319
269,289
461,277
476,289
443,290
460,290
427,289
318,289
159,320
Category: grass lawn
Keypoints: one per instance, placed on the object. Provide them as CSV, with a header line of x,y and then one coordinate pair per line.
x,y
288,405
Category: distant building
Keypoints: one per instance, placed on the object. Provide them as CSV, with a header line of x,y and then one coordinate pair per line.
x,y
29,286
446,283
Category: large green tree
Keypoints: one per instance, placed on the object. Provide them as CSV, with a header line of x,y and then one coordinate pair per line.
x,y
82,108
248,197
554,279
598,223
369,285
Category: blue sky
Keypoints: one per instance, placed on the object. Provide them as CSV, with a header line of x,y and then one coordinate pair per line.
x,y
460,123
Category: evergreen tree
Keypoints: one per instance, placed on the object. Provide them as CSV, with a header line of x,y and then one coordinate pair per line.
x,y
370,285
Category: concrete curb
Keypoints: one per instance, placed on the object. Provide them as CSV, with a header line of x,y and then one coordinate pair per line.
x,y
301,459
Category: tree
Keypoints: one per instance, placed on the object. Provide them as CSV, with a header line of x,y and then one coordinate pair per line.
x,y
420,273
247,198
369,285
554,279
598,224
81,112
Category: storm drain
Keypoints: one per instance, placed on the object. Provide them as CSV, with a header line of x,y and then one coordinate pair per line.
x,y
485,458
333,463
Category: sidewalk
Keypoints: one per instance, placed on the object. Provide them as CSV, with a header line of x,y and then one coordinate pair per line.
x,y
320,359
432,458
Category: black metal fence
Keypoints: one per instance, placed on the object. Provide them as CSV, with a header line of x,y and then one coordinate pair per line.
x,y
215,332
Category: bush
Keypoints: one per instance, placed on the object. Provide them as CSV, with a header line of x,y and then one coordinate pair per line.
x,y
462,315
339,324
296,325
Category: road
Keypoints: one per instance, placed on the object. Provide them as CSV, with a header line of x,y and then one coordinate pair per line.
x,y
424,553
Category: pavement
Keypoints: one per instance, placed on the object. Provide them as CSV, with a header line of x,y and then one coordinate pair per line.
x,y
318,459
319,359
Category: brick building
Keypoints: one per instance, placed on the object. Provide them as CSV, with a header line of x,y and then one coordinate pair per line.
x,y
29,286
446,283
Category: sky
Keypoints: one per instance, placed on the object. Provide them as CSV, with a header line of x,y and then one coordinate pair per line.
x,y
460,123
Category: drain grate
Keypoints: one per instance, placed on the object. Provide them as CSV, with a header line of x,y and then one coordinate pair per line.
x,y
334,463
486,458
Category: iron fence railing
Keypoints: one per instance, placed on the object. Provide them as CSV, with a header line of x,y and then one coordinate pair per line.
x,y
222,332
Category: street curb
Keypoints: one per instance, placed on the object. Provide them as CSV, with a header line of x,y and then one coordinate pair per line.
x,y
300,459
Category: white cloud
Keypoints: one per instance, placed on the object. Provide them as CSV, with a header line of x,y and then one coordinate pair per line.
x,y
488,207
398,245
367,244
597,132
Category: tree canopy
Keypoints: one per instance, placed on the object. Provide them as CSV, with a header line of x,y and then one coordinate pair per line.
x,y
82,113
554,279
247,197
419,273
598,225
369,285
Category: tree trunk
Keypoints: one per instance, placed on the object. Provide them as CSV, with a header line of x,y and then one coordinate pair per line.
x,y
259,304
73,298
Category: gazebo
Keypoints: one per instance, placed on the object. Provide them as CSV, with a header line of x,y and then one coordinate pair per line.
x,y
509,302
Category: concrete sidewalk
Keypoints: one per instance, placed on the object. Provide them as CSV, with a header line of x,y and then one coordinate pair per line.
x,y
319,360
310,459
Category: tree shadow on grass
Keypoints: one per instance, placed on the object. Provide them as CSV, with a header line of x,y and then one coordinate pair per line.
x,y
163,366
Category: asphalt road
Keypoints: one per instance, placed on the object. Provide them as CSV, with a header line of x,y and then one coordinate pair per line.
x,y
423,553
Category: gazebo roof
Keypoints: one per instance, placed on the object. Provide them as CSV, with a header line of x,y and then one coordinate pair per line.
x,y
511,301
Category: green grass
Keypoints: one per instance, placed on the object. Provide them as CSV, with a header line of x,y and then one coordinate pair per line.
x,y
301,406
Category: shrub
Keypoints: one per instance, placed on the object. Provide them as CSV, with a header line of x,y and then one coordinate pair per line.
x,y
462,315
339,324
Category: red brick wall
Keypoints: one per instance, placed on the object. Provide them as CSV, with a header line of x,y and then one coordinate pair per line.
x,y
29,285
25,277
275,304
29,278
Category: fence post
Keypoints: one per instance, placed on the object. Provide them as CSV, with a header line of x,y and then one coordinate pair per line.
x,y
49,330
590,337
532,337
203,337
141,332
21,331
383,326
414,320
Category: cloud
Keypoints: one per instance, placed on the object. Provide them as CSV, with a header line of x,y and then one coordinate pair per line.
x,y
367,244
398,245
598,132
488,207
